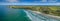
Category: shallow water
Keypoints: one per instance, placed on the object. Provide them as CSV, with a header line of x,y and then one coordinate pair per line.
x,y
34,16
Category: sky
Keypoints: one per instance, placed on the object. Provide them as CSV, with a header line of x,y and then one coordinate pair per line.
x,y
28,2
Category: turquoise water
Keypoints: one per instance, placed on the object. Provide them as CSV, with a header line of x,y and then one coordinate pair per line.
x,y
9,14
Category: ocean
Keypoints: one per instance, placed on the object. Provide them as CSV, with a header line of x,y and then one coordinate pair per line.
x,y
10,14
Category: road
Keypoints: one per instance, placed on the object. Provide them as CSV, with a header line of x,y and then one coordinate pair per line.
x,y
39,17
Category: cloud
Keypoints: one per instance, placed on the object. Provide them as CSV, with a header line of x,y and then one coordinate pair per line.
x,y
12,1
29,3
22,4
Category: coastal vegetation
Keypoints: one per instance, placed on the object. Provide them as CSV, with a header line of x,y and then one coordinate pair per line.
x,y
53,10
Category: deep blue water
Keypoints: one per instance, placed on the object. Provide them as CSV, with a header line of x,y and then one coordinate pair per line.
x,y
10,14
